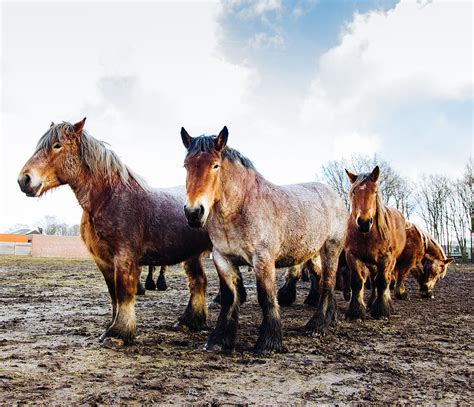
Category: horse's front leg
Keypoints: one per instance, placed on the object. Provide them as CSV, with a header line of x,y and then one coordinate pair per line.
x,y
195,315
126,271
357,269
382,306
108,273
326,313
287,293
270,337
400,290
225,332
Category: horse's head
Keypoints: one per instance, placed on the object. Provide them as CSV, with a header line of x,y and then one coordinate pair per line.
x,y
433,270
56,160
363,195
202,163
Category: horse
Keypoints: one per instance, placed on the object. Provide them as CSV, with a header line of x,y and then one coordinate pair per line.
x,y
424,258
124,223
253,222
375,239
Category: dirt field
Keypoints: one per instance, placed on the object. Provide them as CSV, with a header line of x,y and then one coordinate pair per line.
x,y
53,311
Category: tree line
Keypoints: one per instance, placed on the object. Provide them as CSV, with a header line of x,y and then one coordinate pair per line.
x,y
444,204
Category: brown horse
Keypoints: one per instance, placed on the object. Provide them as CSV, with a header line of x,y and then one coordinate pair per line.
x,y
124,224
256,223
422,257
375,239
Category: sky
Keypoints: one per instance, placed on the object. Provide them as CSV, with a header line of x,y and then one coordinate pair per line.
x,y
296,82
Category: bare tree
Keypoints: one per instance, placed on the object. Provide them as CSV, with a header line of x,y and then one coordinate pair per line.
x,y
433,192
396,191
51,226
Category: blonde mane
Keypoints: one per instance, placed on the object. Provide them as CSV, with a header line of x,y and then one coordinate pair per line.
x,y
101,161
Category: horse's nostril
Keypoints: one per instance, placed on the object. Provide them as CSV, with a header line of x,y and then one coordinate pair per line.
x,y
26,179
201,210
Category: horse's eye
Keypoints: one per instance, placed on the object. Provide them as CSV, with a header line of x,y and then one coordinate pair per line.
x,y
215,166
57,146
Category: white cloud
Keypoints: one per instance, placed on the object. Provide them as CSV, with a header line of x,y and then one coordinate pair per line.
x,y
409,56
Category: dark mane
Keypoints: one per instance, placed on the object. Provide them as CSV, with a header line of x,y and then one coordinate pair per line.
x,y
101,161
206,144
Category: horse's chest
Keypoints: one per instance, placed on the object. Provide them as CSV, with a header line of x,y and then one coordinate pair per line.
x,y
232,243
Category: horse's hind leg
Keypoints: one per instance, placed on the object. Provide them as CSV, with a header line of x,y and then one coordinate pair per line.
x,y
270,337
372,272
225,332
195,314
150,283
161,280
314,270
382,306
326,313
357,268
287,293
305,274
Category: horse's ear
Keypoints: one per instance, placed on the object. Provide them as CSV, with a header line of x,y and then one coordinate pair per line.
x,y
51,125
187,139
374,175
221,140
449,261
352,177
79,126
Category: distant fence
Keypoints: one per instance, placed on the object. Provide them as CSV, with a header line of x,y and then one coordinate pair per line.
x,y
43,246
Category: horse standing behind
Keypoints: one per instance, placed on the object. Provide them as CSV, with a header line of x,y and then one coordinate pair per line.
x,y
124,224
424,258
375,239
256,223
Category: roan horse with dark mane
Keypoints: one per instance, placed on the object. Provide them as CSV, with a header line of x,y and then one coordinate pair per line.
x,y
124,224
255,223
375,239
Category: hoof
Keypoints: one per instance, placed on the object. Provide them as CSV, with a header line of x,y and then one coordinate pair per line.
x,y
222,337
312,299
140,289
401,295
381,309
427,295
355,312
113,332
286,296
268,343
150,286
193,321
315,329
217,298
161,283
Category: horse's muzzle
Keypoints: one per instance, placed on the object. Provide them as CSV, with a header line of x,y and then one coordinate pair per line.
x,y
24,181
364,225
194,216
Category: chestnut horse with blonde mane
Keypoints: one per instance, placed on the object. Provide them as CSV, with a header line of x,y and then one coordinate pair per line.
x,y
375,239
256,223
424,258
124,223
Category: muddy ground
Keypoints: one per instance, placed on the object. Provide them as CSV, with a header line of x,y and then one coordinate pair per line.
x,y
53,311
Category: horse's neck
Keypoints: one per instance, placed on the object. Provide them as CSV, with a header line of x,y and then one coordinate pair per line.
x,y
435,250
90,193
235,182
